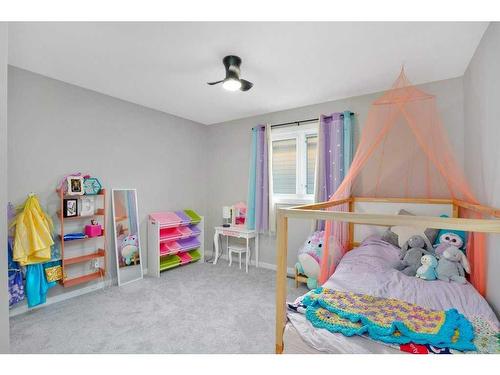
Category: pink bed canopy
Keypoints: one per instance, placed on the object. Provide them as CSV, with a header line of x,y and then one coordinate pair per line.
x,y
404,152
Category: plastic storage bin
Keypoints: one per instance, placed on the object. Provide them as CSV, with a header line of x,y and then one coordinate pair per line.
x,y
185,219
166,219
169,262
195,218
188,243
195,231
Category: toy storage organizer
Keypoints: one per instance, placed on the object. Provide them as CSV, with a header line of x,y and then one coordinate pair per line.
x,y
174,239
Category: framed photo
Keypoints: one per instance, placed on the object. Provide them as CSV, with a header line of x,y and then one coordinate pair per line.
x,y
70,207
91,186
75,185
87,206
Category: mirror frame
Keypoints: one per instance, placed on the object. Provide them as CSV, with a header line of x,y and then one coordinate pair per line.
x,y
115,239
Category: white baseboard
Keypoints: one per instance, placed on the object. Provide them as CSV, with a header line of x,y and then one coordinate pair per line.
x,y
66,295
59,298
268,266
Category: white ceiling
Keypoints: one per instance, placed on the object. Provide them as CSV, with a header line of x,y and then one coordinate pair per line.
x,y
165,66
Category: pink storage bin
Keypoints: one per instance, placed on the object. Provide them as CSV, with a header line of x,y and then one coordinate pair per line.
x,y
185,258
166,219
93,230
170,247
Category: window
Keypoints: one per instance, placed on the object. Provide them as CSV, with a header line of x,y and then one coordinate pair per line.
x,y
294,162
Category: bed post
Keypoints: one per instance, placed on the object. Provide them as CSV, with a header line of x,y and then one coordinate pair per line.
x,y
455,210
281,279
350,244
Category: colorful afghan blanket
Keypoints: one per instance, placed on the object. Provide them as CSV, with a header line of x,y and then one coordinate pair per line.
x,y
391,321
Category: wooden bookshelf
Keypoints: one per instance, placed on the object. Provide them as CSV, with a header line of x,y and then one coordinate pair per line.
x,y
83,258
96,252
84,278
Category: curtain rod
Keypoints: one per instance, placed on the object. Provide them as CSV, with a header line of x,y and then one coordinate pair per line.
x,y
301,121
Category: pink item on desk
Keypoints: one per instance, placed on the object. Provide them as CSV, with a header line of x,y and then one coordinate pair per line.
x,y
239,213
93,230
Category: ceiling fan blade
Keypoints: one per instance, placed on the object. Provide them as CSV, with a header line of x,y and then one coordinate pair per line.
x,y
214,83
245,85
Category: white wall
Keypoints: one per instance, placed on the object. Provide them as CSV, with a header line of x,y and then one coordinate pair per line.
x,y
4,299
482,136
229,152
56,128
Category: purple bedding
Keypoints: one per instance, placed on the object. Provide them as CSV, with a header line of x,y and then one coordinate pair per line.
x,y
370,269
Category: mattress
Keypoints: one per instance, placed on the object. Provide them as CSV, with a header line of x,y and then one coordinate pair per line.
x,y
371,269
311,340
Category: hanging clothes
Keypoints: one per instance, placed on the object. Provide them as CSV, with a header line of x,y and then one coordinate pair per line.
x,y
36,285
16,287
33,234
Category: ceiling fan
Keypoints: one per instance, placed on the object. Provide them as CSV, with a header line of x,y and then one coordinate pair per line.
x,y
233,82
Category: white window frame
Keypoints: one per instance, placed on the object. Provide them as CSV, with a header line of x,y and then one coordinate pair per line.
x,y
300,134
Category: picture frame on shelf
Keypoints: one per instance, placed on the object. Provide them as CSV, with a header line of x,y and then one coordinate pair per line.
x,y
70,207
91,186
87,206
75,185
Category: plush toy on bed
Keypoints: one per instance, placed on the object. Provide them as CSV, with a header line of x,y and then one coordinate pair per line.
x,y
310,257
452,265
427,270
449,238
412,252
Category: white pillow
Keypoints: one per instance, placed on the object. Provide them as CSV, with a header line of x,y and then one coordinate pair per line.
x,y
404,233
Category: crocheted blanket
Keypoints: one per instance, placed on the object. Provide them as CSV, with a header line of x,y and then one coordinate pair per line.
x,y
391,321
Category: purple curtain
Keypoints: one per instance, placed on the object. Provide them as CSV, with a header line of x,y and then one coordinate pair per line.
x,y
258,184
330,165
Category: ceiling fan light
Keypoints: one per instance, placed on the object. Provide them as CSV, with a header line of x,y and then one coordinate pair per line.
x,y
231,84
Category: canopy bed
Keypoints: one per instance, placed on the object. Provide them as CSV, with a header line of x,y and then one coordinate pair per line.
x,y
403,161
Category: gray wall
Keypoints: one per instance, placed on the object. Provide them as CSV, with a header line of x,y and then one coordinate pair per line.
x,y
482,135
57,128
229,151
4,299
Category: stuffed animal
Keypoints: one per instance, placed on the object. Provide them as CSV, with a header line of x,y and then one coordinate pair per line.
x,y
129,248
447,239
411,261
452,264
416,241
427,270
310,257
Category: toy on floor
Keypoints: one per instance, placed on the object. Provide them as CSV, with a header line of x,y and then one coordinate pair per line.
x,y
310,257
452,265
427,271
130,249
412,252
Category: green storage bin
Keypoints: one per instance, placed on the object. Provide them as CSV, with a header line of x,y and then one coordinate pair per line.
x,y
195,255
195,218
168,262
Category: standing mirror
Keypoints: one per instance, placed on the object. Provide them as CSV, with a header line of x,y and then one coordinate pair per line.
x,y
126,231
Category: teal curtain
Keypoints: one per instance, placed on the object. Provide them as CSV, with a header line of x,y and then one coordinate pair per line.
x,y
250,219
348,141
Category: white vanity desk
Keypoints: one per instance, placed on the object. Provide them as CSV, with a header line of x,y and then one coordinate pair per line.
x,y
236,231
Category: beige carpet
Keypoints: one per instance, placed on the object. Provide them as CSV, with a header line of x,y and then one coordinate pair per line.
x,y
198,308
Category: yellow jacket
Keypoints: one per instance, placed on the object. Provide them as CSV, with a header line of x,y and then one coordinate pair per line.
x,y
33,234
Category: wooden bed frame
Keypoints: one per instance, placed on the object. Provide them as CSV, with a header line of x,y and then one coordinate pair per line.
x,y
317,212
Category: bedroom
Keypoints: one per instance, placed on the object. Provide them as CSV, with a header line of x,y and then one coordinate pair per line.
x,y
159,195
